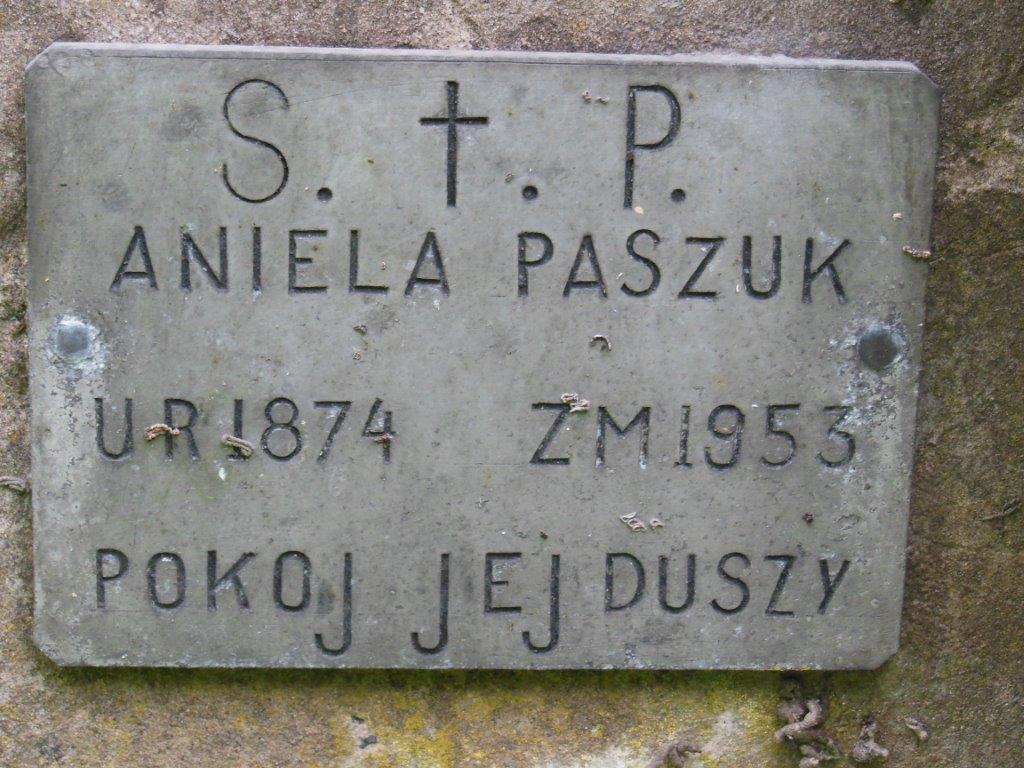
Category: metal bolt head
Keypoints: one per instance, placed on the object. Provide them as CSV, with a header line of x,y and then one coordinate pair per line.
x,y
73,339
878,348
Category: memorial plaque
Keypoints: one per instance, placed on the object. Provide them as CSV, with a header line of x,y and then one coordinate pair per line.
x,y
413,359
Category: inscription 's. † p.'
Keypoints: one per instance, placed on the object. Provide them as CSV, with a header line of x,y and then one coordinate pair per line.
x,y
414,359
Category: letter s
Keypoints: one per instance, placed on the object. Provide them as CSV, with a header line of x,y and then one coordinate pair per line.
x,y
254,140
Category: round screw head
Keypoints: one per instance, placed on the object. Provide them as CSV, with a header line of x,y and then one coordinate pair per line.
x,y
878,348
74,338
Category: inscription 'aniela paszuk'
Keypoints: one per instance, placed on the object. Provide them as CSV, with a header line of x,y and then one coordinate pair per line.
x,y
313,347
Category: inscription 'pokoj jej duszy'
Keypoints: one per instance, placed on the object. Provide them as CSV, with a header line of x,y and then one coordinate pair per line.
x,y
414,359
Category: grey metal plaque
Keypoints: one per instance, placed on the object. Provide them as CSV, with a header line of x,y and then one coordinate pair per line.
x,y
414,359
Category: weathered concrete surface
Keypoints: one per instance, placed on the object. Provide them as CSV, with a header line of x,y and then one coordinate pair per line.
x,y
835,154
960,668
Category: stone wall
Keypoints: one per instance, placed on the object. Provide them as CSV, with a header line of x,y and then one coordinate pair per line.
x,y
961,666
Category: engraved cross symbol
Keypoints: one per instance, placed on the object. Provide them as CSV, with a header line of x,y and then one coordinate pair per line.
x,y
453,120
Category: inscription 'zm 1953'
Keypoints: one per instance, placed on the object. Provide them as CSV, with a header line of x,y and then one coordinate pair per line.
x,y
411,359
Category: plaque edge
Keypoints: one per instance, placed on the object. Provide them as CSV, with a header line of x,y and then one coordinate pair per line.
x,y
492,56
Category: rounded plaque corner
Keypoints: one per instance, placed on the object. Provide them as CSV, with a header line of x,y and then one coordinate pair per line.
x,y
41,61
57,56
37,67
924,82
879,657
52,650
